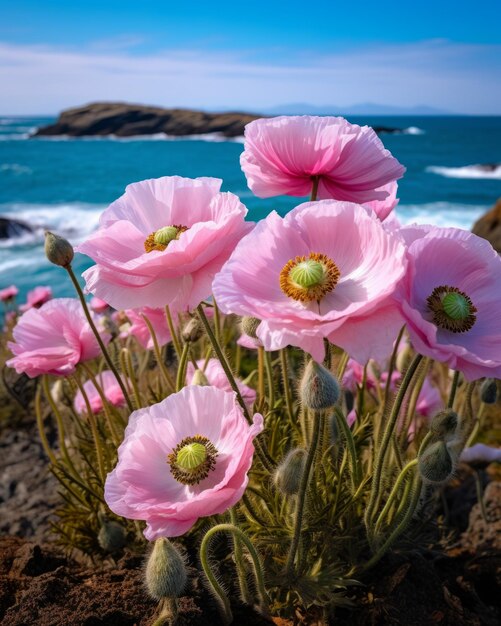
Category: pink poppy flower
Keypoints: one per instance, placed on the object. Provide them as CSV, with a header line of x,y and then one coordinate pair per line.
x,y
36,297
181,459
326,270
98,305
53,339
451,299
282,154
354,375
216,377
140,330
111,389
162,242
8,293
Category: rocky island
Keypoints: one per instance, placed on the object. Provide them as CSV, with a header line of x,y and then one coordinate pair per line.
x,y
128,120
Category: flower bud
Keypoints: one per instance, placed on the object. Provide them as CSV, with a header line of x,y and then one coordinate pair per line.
x,y
111,535
319,389
444,424
165,574
199,378
192,331
435,463
249,326
288,474
489,391
58,250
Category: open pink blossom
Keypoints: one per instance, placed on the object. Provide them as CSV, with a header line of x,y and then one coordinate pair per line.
x,y
181,459
347,266
53,339
8,293
109,386
451,299
383,208
139,329
162,242
283,154
251,343
36,297
354,376
98,305
214,373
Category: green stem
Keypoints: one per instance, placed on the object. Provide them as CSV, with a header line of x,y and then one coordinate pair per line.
x,y
268,463
287,388
106,355
128,368
387,437
114,434
158,355
41,430
240,563
454,387
269,376
314,187
173,333
215,586
401,526
303,488
183,364
350,446
260,373
391,368
394,492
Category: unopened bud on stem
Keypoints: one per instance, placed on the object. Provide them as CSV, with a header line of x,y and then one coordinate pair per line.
x,y
111,535
489,391
58,250
165,574
319,389
288,474
444,424
436,464
249,326
192,331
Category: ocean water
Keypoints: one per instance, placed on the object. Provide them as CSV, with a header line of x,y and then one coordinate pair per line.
x,y
63,184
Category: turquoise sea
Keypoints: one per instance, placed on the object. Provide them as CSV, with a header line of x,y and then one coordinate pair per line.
x,y
63,184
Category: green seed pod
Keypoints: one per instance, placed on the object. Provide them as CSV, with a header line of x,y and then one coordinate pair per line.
x,y
58,250
319,389
288,474
192,331
111,535
489,391
444,424
435,463
165,574
249,326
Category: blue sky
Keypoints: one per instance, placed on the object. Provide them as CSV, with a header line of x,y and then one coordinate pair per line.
x,y
250,55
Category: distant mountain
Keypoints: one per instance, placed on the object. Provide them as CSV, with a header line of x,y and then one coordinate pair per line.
x,y
368,108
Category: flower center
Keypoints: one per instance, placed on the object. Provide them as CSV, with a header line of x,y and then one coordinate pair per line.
x,y
452,309
192,460
309,278
160,239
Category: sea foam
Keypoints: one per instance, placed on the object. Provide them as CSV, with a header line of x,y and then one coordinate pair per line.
x,y
467,171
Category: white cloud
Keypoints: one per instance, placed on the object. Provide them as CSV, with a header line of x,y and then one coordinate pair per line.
x,y
46,79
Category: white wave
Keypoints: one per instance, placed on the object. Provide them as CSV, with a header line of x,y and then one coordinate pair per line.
x,y
467,171
16,168
211,137
441,214
413,130
74,220
14,136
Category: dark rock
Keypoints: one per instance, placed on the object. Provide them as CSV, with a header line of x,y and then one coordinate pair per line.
x,y
489,226
127,120
13,228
